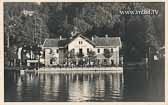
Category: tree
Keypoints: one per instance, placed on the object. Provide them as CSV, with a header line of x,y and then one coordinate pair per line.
x,y
80,55
53,19
107,54
80,58
72,56
91,55
20,28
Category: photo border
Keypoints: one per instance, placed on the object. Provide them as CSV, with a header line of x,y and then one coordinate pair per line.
x,y
78,103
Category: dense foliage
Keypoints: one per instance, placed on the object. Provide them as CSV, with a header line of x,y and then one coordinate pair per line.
x,y
138,32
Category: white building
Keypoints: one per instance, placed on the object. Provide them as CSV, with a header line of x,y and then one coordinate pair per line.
x,y
72,50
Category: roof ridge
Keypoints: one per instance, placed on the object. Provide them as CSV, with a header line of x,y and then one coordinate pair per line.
x,y
98,41
55,38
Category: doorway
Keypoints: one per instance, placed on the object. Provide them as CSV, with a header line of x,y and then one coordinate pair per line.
x,y
80,51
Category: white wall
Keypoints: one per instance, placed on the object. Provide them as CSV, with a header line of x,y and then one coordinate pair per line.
x,y
49,55
76,46
115,49
115,57
101,50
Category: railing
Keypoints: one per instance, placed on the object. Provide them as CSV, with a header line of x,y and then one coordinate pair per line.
x,y
82,69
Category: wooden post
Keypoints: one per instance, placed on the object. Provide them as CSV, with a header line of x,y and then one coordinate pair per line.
x,y
146,60
149,57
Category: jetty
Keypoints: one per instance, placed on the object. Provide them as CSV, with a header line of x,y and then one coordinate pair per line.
x,y
81,69
69,69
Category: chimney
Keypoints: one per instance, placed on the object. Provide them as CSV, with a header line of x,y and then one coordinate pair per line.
x,y
95,36
92,38
72,34
60,37
106,35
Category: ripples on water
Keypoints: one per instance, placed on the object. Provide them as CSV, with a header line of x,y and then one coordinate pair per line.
x,y
136,85
64,87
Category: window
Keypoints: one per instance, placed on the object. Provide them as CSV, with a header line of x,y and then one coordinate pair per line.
x,y
51,61
98,50
111,50
57,51
105,61
87,50
80,42
80,51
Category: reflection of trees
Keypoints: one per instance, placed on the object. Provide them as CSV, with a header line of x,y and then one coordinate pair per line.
x,y
71,86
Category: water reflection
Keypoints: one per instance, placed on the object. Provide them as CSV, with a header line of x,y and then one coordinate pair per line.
x,y
137,84
65,87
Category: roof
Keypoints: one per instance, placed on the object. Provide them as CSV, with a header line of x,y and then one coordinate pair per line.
x,y
80,35
97,41
54,42
107,41
62,43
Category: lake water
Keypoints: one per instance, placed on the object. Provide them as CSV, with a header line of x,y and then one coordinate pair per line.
x,y
132,85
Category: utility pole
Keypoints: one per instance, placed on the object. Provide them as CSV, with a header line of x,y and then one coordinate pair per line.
x,y
149,56
8,38
35,30
8,52
40,32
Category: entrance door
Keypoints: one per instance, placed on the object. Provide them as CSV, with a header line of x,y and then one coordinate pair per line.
x,y
80,51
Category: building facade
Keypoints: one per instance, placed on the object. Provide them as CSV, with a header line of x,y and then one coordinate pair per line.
x,y
82,51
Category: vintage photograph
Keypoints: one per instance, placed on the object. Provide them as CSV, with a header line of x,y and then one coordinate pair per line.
x,y
84,51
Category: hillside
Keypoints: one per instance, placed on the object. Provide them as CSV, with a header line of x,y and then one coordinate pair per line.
x,y
138,32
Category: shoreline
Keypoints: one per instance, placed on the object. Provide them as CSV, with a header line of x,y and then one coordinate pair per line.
x,y
76,69
83,69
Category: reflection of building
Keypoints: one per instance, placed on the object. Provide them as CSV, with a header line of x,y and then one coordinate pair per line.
x,y
100,87
116,85
80,90
70,86
69,50
96,87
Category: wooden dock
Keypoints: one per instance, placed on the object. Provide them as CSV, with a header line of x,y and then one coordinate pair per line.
x,y
74,69
82,69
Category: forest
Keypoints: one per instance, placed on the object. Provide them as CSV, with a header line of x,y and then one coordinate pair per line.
x,y
30,23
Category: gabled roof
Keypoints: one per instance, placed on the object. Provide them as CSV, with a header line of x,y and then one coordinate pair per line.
x,y
80,35
62,43
97,41
54,42
107,41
